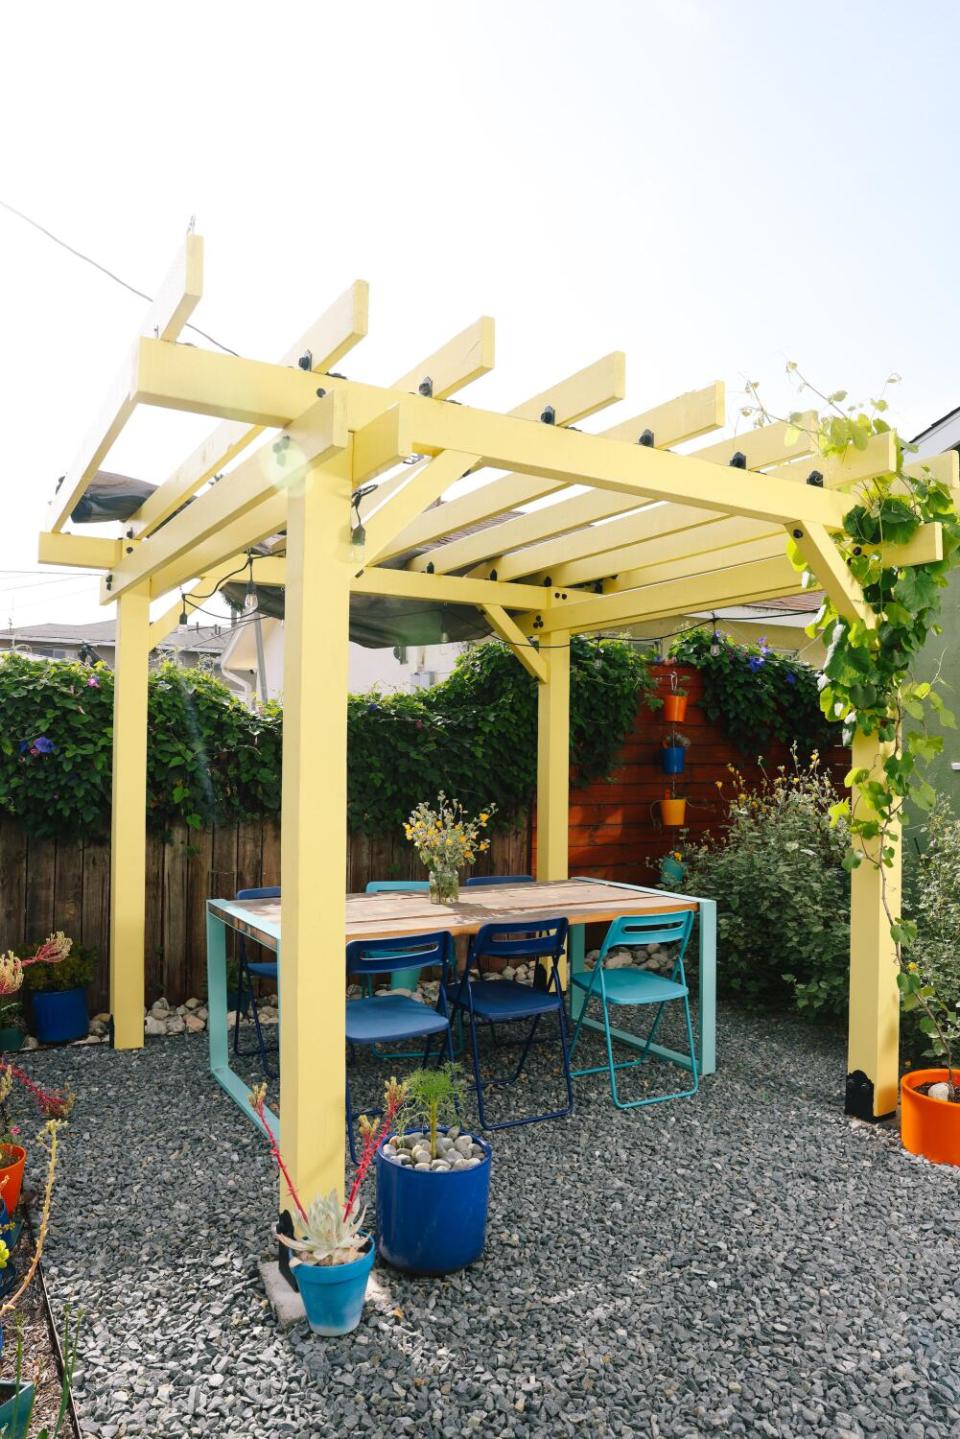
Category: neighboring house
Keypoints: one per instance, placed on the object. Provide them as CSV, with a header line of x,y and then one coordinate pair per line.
x,y
190,645
383,669
942,652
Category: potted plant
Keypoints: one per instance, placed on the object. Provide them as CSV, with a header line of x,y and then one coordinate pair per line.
x,y
675,703
446,839
433,1181
673,753
672,869
333,1254
56,978
672,810
930,1098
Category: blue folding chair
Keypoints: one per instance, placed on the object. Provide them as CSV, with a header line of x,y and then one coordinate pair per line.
x,y
635,987
504,1001
392,1017
248,971
499,879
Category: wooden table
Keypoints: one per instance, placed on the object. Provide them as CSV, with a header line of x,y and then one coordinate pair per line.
x,y
393,914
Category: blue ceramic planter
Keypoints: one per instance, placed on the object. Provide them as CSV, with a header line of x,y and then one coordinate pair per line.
x,y
673,758
432,1223
59,1015
333,1294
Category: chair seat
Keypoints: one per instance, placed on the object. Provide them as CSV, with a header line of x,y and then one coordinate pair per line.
x,y
390,1016
506,999
263,969
633,986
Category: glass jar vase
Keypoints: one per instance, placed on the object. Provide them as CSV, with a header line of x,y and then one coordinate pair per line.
x,y
444,886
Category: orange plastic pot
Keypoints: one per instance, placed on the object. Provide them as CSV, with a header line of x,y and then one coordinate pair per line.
x,y
674,708
930,1127
11,1175
672,811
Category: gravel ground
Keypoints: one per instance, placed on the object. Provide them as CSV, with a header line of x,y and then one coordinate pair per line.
x,y
747,1261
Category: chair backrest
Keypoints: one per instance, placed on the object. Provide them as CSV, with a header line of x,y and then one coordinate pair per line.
x,y
674,927
407,951
499,879
519,939
267,891
398,886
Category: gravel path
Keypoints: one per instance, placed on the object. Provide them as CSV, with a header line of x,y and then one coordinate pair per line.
x,y
748,1261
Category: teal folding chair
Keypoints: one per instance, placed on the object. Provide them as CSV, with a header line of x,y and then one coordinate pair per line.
x,y
634,987
400,978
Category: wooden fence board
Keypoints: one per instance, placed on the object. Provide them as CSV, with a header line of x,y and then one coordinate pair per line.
x,y
175,915
13,881
41,886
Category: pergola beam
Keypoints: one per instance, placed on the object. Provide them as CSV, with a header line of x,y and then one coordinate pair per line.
x,y
684,418
450,590
591,389
169,312
319,435
327,340
766,579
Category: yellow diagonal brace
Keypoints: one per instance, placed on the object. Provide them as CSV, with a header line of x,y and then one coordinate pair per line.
x,y
829,568
513,635
327,340
169,312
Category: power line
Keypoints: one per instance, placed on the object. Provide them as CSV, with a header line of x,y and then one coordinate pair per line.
x,y
71,249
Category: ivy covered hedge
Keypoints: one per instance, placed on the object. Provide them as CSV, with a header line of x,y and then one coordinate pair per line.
x,y
208,757
210,760
755,695
475,734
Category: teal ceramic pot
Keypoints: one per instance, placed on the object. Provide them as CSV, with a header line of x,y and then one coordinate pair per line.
x,y
333,1294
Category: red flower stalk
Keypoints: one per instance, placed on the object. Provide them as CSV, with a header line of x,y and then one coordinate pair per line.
x,y
373,1137
258,1099
53,1103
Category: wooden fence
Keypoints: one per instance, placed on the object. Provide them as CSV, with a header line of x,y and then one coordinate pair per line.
x,y
48,884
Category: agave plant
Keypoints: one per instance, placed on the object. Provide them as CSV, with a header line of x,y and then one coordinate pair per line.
x,y
327,1235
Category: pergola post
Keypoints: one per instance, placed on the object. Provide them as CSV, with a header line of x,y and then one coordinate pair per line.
x,y
553,759
874,1023
128,831
314,849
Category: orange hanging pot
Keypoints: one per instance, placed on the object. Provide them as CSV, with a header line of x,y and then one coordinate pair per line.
x,y
672,811
930,1127
12,1160
674,708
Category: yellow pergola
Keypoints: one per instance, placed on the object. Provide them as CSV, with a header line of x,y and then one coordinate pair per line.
x,y
632,531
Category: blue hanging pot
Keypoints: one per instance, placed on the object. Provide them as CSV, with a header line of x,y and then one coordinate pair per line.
x,y
673,759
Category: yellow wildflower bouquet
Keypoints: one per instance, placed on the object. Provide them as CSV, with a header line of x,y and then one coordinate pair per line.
x,y
444,836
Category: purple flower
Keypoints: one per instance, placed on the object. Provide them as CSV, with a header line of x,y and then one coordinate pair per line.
x,y
93,683
764,647
24,746
790,677
754,663
42,745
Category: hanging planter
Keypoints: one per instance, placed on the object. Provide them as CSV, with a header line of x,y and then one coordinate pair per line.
x,y
673,754
672,811
930,1127
675,703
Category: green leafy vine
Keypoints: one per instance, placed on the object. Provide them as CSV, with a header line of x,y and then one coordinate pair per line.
x,y
868,684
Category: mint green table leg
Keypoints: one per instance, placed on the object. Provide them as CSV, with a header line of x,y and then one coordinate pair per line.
x,y
217,1033
707,1006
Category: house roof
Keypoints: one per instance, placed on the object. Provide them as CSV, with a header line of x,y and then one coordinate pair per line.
x,y
209,638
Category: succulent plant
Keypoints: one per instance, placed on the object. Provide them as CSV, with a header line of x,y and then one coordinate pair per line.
x,y
326,1236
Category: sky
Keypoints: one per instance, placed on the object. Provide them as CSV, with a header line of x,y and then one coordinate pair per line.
x,y
714,188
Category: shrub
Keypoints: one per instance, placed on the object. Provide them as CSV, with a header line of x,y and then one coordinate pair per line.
x,y
932,884
783,896
74,972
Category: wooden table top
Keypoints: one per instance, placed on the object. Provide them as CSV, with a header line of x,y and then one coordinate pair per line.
x,y
395,913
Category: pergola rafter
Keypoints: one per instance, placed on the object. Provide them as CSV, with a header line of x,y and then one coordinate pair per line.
x,y
630,530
